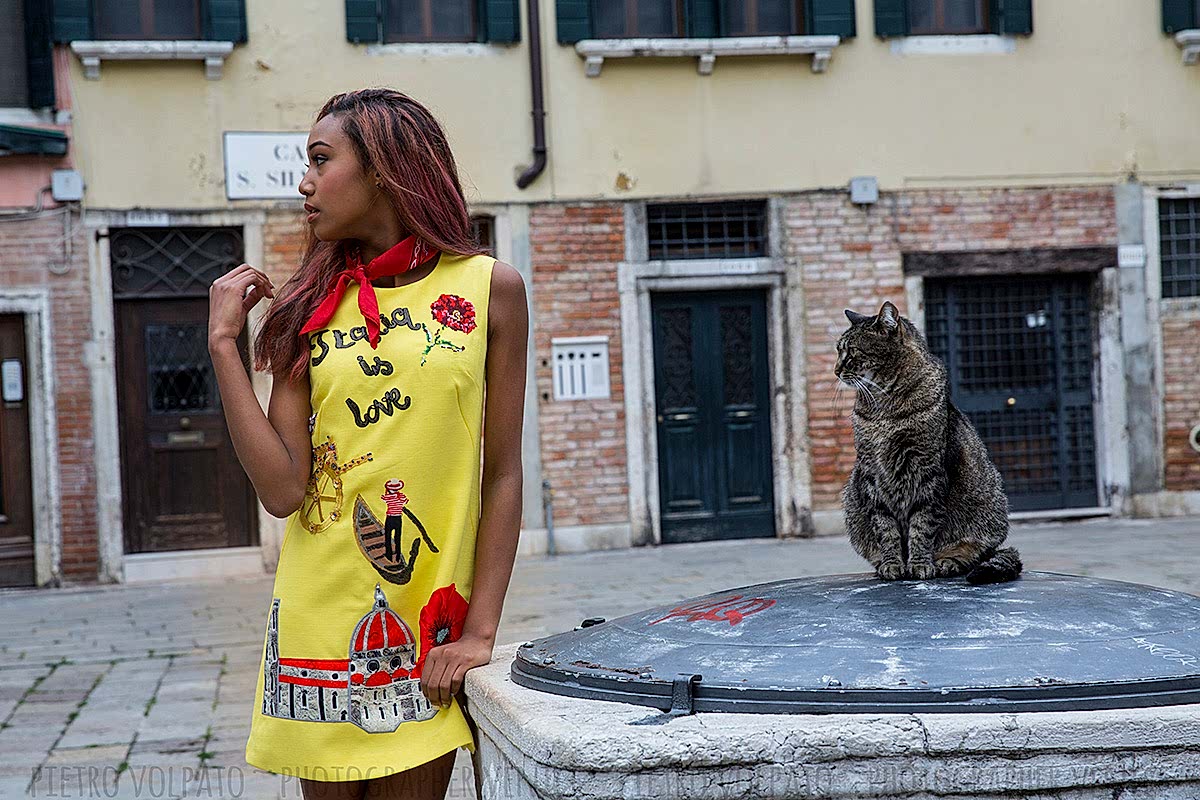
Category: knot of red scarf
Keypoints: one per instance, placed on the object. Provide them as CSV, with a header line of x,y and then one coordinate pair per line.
x,y
406,254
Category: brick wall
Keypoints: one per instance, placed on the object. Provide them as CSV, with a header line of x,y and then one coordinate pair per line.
x,y
852,258
575,251
1181,396
27,249
283,244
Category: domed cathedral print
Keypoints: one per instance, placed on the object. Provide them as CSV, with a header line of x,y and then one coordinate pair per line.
x,y
374,688
381,542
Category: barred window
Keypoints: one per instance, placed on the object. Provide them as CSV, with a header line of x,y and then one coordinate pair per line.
x,y
1179,246
429,21
619,19
728,229
948,16
762,17
148,19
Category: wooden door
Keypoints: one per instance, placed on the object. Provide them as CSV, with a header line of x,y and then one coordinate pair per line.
x,y
16,477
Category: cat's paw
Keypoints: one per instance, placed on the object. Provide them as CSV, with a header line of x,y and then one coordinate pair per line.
x,y
947,567
890,570
922,570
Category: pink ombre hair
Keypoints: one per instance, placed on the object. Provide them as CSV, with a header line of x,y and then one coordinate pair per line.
x,y
398,137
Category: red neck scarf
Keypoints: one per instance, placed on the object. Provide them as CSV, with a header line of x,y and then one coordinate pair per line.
x,y
409,253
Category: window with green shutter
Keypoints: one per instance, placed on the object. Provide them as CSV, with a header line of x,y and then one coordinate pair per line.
x,y
701,19
39,54
213,20
952,17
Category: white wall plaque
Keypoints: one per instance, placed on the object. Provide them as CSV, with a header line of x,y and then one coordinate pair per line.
x,y
264,164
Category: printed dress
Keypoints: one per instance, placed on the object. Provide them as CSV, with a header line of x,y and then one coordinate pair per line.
x,y
377,564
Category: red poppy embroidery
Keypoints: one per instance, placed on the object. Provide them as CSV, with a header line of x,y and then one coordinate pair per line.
x,y
441,621
452,312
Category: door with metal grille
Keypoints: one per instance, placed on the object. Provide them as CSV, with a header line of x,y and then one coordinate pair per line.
x,y
183,485
712,412
1019,353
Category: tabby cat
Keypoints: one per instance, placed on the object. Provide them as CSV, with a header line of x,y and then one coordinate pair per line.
x,y
923,500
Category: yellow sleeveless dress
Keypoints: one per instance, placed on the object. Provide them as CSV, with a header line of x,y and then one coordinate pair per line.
x,y
377,565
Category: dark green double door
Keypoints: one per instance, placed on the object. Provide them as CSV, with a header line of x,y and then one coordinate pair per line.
x,y
712,413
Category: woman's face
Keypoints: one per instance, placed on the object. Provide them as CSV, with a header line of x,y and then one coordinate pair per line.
x,y
348,204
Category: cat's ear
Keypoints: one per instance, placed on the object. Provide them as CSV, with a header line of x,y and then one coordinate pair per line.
x,y
856,318
889,318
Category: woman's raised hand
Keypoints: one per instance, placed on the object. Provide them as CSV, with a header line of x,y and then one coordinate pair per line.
x,y
229,302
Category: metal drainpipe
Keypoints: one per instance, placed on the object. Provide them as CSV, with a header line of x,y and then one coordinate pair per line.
x,y
539,107
548,510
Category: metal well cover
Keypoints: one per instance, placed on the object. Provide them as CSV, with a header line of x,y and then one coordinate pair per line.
x,y
854,643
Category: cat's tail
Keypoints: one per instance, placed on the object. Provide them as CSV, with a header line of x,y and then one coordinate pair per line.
x,y
1002,565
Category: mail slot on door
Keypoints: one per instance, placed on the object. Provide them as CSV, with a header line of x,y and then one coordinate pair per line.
x,y
185,437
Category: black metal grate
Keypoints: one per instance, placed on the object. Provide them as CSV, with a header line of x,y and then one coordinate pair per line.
x,y
171,262
737,363
679,385
730,229
1019,353
178,369
1179,246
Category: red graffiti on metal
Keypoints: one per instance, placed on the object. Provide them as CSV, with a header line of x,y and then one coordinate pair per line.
x,y
732,609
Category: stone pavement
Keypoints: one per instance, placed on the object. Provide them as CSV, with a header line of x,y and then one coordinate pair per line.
x,y
154,684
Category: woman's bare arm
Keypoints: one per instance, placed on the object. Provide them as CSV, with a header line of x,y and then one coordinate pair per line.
x,y
500,512
275,450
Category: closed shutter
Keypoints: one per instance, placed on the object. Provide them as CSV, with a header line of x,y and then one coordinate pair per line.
x,y
574,18
701,19
39,53
225,20
1178,15
72,20
1012,16
363,21
500,20
891,17
830,17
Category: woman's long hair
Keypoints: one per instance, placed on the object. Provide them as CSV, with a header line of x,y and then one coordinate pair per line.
x,y
400,139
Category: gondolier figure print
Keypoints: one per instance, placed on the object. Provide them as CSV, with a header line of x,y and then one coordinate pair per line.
x,y
395,500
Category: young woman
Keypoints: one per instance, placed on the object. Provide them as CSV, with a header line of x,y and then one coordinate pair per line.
x,y
381,345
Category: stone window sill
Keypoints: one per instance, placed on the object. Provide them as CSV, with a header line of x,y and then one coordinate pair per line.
x,y
954,44
595,51
1189,42
213,54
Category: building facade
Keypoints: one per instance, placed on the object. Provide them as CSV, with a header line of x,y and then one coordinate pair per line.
x,y
694,191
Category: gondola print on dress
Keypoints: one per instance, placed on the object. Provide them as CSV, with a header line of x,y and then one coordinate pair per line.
x,y
381,542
